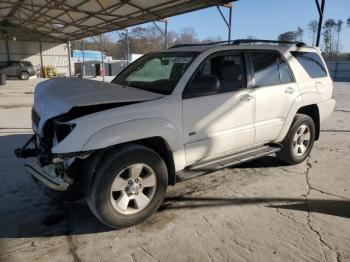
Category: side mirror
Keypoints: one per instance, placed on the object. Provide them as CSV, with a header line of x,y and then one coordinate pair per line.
x,y
206,85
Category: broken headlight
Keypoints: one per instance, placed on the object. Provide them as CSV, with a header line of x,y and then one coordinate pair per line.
x,y
62,130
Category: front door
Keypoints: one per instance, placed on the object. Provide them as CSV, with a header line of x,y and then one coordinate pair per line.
x,y
215,124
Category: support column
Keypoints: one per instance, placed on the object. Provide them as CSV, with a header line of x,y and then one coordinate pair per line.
x,y
42,73
320,20
229,21
165,33
8,50
102,60
83,47
127,46
69,62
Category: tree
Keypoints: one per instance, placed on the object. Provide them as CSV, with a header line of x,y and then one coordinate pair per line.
x,y
288,36
312,27
300,33
187,36
338,28
328,35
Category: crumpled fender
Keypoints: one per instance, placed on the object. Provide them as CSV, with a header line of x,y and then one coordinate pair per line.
x,y
130,131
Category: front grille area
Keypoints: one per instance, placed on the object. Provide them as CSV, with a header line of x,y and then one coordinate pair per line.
x,y
35,117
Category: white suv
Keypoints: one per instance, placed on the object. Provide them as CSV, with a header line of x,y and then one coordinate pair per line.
x,y
173,115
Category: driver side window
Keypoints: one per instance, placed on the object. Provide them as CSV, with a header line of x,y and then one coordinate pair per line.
x,y
228,69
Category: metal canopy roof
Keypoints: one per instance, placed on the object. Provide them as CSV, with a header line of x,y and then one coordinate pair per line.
x,y
76,19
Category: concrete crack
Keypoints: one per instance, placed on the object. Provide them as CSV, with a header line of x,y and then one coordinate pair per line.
x,y
335,130
287,216
70,241
149,253
289,171
321,240
342,110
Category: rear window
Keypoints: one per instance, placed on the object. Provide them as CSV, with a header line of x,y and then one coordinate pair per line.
x,y
312,63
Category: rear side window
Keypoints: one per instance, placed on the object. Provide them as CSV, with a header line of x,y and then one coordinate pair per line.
x,y
312,63
270,69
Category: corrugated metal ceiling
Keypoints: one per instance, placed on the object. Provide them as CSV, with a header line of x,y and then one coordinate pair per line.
x,y
76,19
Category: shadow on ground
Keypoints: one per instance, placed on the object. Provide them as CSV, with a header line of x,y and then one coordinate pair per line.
x,y
76,219
32,214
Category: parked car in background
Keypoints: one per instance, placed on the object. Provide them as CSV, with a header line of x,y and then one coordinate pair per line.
x,y
21,69
174,115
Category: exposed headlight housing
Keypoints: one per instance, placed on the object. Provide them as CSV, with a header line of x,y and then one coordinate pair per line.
x,y
62,130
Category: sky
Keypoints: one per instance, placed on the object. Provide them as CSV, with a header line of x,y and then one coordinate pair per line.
x,y
264,19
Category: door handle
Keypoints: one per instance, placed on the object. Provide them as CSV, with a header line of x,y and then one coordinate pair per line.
x,y
289,90
246,97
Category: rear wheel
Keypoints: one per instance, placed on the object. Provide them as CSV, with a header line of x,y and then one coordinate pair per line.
x,y
128,187
299,141
24,75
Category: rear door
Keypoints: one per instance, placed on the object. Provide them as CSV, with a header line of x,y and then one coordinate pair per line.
x,y
275,92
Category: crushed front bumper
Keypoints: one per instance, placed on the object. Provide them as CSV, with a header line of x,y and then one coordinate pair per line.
x,y
47,175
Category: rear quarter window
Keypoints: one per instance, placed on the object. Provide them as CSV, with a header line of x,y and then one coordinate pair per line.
x,y
312,63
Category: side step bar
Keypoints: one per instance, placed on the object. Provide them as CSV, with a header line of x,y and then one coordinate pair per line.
x,y
222,162
44,176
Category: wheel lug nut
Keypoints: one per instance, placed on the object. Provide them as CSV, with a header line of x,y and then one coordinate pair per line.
x,y
136,180
136,193
126,189
129,182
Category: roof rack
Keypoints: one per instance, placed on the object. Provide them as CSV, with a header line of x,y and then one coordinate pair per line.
x,y
248,41
199,44
243,41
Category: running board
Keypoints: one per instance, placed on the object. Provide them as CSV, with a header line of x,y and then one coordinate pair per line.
x,y
222,162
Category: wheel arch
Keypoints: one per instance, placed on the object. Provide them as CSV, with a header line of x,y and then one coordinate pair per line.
x,y
313,112
157,144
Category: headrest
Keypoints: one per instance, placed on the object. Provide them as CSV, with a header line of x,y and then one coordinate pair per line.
x,y
231,71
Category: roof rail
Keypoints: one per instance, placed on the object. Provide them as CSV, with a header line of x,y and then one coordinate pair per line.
x,y
199,44
242,41
247,41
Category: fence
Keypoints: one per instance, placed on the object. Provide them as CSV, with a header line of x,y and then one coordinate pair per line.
x,y
339,71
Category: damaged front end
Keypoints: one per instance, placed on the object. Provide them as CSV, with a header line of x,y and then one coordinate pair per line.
x,y
56,171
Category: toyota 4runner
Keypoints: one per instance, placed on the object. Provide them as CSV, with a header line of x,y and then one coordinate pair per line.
x,y
173,115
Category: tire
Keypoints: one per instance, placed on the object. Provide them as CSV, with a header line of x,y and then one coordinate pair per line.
x,y
131,162
295,147
24,75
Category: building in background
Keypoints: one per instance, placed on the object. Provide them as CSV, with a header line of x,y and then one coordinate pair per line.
x,y
40,50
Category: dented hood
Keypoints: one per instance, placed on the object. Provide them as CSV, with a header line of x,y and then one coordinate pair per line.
x,y
58,96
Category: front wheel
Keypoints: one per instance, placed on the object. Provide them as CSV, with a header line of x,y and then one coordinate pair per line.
x,y
299,141
129,186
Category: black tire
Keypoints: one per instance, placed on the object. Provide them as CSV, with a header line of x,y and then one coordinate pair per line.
x,y
24,75
287,154
99,195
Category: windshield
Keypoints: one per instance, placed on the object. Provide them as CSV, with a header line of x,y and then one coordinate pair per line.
x,y
156,72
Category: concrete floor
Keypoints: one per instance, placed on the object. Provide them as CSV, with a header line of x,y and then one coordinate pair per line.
x,y
259,211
